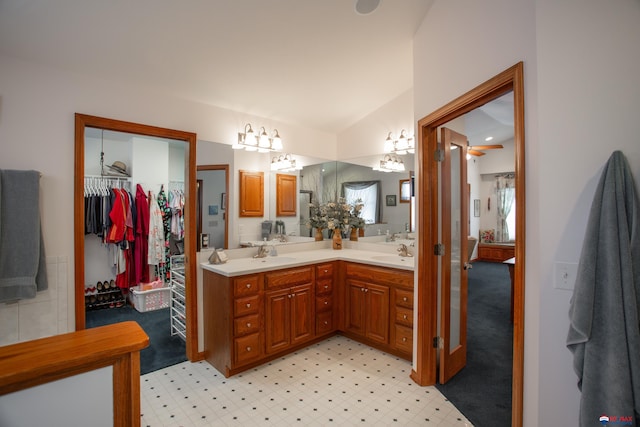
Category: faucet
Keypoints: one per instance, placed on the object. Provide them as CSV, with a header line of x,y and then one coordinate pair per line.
x,y
262,251
404,251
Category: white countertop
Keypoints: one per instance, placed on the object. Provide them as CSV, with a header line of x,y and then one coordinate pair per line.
x,y
240,266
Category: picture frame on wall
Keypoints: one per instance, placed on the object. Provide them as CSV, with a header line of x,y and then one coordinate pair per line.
x,y
391,199
476,207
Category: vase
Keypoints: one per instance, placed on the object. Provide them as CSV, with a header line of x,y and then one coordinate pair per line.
x,y
337,240
319,234
354,234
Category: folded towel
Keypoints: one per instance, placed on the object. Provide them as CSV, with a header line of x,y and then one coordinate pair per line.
x,y
604,336
22,258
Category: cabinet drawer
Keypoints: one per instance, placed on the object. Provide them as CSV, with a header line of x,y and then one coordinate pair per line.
x,y
246,325
324,271
404,338
324,286
247,348
289,277
324,322
404,316
324,303
246,305
248,285
404,298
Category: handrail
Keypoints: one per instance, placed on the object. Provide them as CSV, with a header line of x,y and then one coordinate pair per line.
x,y
36,362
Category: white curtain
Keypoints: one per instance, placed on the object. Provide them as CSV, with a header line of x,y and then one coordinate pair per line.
x,y
505,196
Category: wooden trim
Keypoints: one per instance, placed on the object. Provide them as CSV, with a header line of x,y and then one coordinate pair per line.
x,y
40,361
81,122
425,362
225,168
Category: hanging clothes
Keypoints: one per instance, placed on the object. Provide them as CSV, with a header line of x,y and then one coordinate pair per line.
x,y
605,308
141,247
156,241
163,204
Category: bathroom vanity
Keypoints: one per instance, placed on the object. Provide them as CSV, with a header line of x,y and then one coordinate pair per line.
x,y
258,309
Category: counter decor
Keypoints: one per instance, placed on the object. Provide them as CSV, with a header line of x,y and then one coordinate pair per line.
x,y
356,221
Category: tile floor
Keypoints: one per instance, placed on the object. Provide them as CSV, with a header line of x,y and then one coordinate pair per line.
x,y
335,382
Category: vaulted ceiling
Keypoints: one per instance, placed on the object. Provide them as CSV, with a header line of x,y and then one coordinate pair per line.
x,y
317,64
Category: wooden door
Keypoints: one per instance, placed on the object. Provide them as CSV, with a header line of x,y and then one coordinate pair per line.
x,y
277,320
251,188
355,307
377,313
454,217
302,324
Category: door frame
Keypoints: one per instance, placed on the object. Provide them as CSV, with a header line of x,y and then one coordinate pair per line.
x,y
83,121
425,356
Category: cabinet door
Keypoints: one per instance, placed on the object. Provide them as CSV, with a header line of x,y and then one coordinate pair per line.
x,y
251,187
277,320
302,314
286,195
377,313
355,307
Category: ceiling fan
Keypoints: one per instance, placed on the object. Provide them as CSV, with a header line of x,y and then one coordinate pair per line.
x,y
477,150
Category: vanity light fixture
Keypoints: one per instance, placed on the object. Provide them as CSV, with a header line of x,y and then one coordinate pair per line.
x,y
390,163
284,163
262,143
403,145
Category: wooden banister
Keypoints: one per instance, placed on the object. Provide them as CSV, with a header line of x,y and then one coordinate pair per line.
x,y
36,362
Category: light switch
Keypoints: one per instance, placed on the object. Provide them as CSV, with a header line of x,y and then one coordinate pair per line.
x,y
565,274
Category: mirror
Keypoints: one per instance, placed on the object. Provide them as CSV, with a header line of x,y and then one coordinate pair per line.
x,y
212,207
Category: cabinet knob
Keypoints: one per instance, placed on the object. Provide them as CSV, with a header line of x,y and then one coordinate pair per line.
x,y
326,303
248,305
289,296
293,295
404,339
361,289
405,299
248,324
326,286
248,285
326,323
248,348
326,271
404,316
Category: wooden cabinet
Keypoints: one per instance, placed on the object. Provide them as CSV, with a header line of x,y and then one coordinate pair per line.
x,y
379,307
495,252
232,321
367,310
289,308
251,197
325,300
286,195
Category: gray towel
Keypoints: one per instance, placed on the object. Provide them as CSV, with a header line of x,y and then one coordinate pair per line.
x,y
22,258
604,335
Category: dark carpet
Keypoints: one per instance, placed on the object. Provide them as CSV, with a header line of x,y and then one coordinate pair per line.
x,y
163,350
482,390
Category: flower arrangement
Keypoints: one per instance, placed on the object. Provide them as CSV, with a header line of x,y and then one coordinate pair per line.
x,y
336,215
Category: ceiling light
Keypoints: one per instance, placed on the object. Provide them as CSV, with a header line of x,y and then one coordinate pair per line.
x,y
249,141
365,7
403,145
284,163
390,163
489,138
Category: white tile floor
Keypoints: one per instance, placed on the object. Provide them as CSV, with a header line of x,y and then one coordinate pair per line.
x,y
335,382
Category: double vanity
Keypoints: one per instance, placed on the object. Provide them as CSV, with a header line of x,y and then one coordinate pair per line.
x,y
258,309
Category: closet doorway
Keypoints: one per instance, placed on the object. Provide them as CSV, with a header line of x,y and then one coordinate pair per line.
x,y
178,144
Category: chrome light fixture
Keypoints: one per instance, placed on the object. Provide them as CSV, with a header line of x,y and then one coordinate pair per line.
x,y
390,163
403,145
262,143
284,163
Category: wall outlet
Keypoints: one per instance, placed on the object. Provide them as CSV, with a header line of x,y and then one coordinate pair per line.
x,y
565,274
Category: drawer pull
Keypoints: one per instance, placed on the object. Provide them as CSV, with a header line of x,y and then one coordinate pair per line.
x,y
405,299
248,324
326,303
248,305
326,323
404,316
404,339
248,348
326,286
248,285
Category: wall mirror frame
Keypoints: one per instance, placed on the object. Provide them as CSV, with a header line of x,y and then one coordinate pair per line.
x,y
425,356
83,121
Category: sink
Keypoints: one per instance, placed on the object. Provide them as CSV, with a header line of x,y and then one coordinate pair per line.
x,y
272,260
393,258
